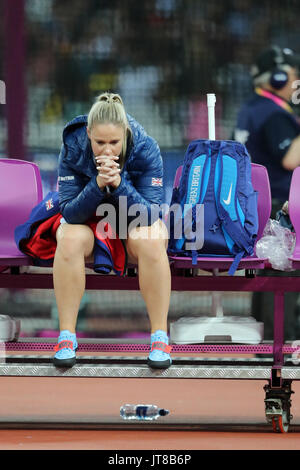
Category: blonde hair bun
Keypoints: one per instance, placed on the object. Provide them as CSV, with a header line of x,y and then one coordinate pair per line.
x,y
110,98
108,108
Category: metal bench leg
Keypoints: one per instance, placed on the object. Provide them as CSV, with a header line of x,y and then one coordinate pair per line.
x,y
278,330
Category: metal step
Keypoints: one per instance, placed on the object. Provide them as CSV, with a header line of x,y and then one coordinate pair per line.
x,y
133,367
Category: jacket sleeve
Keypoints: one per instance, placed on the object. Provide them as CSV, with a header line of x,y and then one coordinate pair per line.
x,y
78,197
146,194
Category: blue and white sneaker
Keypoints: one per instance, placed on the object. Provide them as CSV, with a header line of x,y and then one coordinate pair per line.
x,y
65,349
159,357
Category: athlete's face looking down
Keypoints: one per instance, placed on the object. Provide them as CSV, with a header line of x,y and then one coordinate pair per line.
x,y
106,139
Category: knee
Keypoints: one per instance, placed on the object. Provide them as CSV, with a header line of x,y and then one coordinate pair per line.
x,y
75,240
154,250
151,249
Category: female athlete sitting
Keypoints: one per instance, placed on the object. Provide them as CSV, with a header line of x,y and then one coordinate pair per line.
x,y
104,156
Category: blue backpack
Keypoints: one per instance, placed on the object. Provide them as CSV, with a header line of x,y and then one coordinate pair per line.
x,y
213,211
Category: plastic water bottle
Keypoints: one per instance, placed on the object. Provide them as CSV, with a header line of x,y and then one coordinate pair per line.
x,y
142,412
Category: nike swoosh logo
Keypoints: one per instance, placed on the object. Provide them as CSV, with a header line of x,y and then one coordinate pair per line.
x,y
227,201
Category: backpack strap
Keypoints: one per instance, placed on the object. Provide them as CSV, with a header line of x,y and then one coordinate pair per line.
x,y
230,221
235,263
243,242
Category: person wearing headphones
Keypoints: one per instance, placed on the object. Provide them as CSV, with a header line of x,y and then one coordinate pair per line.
x,y
266,123
270,130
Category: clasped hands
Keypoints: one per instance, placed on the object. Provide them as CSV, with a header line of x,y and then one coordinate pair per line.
x,y
108,171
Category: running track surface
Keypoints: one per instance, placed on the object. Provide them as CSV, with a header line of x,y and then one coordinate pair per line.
x,y
222,414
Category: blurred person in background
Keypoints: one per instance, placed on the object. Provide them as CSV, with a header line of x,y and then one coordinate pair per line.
x,y
104,156
266,123
270,129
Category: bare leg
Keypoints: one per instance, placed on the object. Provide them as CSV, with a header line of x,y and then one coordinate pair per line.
x,y
146,246
74,244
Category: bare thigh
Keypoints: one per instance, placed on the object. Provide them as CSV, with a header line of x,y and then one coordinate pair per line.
x,y
146,238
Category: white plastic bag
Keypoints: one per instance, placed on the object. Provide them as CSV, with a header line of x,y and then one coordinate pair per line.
x,y
277,245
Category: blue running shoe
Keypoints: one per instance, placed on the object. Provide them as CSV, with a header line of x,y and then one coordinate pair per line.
x,y
65,349
159,357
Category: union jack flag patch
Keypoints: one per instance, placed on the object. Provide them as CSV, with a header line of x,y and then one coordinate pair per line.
x,y
156,182
49,204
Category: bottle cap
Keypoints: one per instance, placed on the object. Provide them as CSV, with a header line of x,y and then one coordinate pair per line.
x,y
163,412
